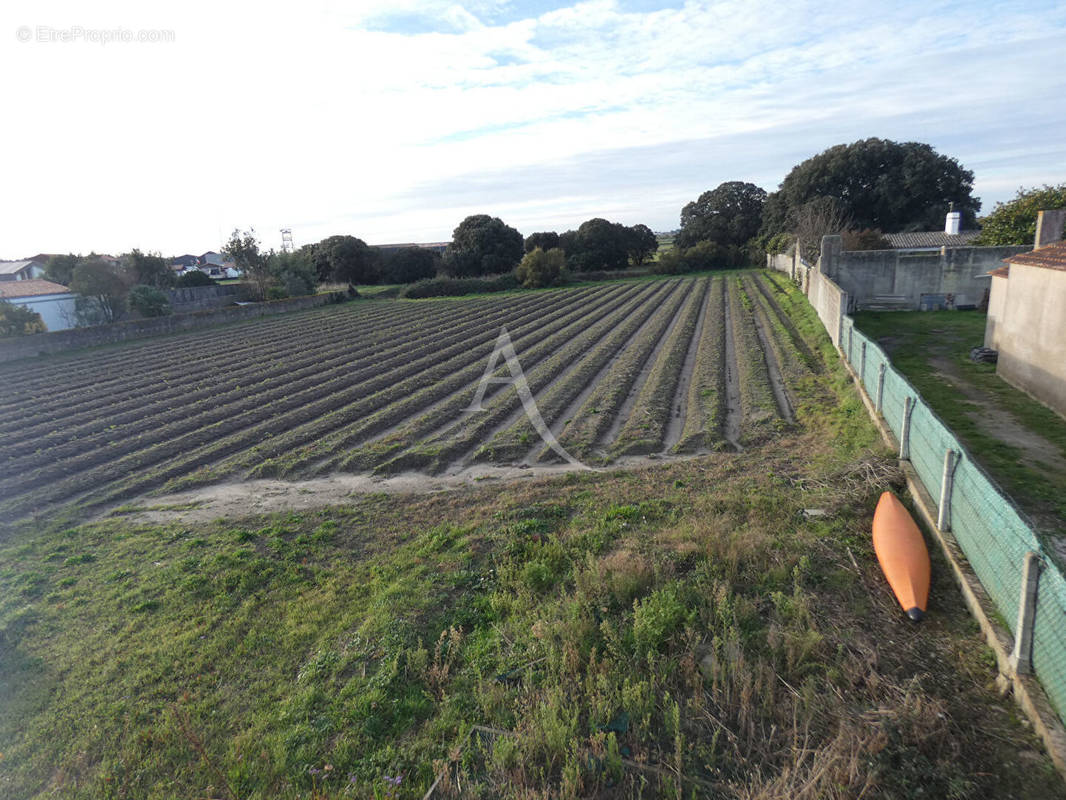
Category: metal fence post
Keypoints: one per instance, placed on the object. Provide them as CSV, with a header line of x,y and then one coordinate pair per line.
x,y
851,336
1021,657
905,430
862,362
880,386
943,520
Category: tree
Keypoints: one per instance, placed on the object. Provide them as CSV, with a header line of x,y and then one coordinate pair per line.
x,y
541,268
243,250
597,244
148,301
348,260
728,214
642,244
818,217
410,264
1014,222
104,288
150,269
19,320
482,245
881,184
545,240
293,272
60,269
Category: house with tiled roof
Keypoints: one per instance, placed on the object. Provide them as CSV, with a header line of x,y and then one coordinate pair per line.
x,y
928,241
53,301
1027,315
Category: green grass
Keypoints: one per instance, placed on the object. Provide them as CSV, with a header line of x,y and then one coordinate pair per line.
x,y
914,339
674,631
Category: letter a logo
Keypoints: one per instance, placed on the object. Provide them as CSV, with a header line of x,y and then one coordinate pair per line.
x,y
505,349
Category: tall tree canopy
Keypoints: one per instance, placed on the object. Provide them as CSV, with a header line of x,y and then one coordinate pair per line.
x,y
409,264
890,186
347,259
545,240
601,244
482,245
729,214
1014,222
150,269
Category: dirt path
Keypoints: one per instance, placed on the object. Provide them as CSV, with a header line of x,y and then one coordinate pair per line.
x,y
642,377
733,411
245,498
676,425
773,370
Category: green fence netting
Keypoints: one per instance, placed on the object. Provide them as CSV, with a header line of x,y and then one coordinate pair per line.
x,y
993,534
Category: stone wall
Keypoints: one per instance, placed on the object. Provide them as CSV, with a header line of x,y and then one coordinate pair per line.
x,y
202,298
950,277
44,343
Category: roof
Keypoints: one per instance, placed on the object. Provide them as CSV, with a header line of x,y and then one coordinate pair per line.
x,y
903,241
1050,256
30,288
11,267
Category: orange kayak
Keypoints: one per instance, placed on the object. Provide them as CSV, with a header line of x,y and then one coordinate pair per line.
x,y
904,559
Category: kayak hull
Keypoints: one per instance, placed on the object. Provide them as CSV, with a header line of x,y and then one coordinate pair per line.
x,y
903,556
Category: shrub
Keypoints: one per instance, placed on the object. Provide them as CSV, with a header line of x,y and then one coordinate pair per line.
x,y
541,268
657,617
780,243
195,278
19,320
149,301
866,239
453,287
410,264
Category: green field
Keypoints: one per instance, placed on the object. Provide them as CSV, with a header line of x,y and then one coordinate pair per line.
x,y
675,628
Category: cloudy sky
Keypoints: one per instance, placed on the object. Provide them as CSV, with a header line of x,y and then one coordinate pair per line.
x,y
393,119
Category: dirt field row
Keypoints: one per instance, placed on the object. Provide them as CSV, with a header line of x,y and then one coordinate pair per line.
x,y
655,369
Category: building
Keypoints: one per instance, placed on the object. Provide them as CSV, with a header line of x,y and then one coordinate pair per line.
x,y
1027,315
53,302
21,270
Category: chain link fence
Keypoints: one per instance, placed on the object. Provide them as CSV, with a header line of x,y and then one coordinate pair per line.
x,y
994,535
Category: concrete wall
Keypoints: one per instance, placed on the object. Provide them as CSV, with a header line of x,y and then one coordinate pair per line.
x,y
202,298
1031,334
997,305
874,277
43,343
829,300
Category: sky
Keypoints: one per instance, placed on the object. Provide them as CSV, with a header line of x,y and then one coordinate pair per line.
x,y
165,126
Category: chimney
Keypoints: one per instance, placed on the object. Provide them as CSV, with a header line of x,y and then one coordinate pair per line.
x,y
1049,227
953,221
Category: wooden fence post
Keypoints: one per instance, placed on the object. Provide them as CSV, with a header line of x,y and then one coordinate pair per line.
x,y
947,482
1021,657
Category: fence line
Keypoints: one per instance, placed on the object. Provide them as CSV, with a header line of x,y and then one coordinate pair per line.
x,y
1010,560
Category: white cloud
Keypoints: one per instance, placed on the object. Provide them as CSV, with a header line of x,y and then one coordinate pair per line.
x,y
330,118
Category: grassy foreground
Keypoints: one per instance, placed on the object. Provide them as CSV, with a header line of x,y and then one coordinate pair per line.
x,y
676,631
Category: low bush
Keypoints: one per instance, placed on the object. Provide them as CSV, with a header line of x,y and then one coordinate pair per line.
x,y
454,287
19,320
149,301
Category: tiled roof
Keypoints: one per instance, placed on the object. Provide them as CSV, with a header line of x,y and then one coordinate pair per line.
x,y
902,241
1050,256
1000,272
32,288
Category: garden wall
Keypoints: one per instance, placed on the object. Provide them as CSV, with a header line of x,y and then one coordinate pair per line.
x,y
59,341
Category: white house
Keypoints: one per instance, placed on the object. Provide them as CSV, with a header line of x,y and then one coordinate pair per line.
x,y
21,270
52,301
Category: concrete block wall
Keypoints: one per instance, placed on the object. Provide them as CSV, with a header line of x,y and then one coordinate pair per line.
x,y
45,343
202,298
870,276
